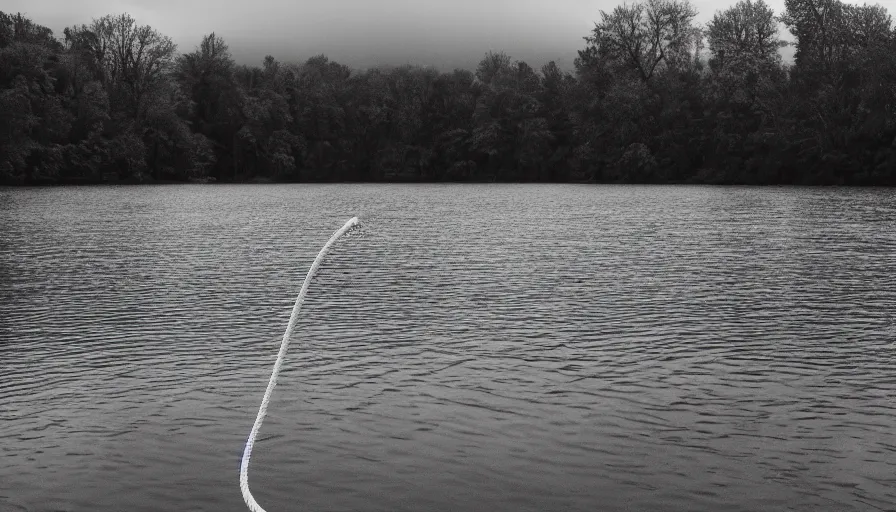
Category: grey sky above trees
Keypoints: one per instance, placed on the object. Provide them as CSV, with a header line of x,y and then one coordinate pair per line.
x,y
363,33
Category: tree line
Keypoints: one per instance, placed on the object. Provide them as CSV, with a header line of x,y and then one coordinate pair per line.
x,y
654,98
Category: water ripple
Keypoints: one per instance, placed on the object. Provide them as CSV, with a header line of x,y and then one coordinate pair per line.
x,y
469,348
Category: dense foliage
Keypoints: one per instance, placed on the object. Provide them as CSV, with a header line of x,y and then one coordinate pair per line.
x,y
654,98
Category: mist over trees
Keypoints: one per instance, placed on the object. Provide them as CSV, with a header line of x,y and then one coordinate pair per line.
x,y
654,98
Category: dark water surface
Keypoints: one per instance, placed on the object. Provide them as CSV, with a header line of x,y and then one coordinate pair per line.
x,y
471,348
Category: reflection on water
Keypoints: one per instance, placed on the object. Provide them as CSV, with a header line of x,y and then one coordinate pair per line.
x,y
518,348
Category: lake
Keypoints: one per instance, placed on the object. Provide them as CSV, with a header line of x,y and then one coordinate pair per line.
x,y
469,348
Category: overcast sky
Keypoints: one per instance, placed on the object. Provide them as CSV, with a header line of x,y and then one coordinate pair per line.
x,y
361,33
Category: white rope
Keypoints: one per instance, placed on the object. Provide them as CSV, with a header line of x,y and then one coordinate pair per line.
x,y
263,409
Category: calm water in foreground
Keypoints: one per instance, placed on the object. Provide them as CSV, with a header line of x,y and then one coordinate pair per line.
x,y
471,348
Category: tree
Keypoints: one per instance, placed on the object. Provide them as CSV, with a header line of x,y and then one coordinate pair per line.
x,y
645,37
319,99
18,28
843,107
34,123
556,101
746,32
830,33
510,135
208,67
746,66
132,61
113,101
207,77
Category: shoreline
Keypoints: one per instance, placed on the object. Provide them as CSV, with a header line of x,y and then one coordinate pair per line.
x,y
136,183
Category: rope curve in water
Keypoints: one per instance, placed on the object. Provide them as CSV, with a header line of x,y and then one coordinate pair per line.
x,y
263,409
